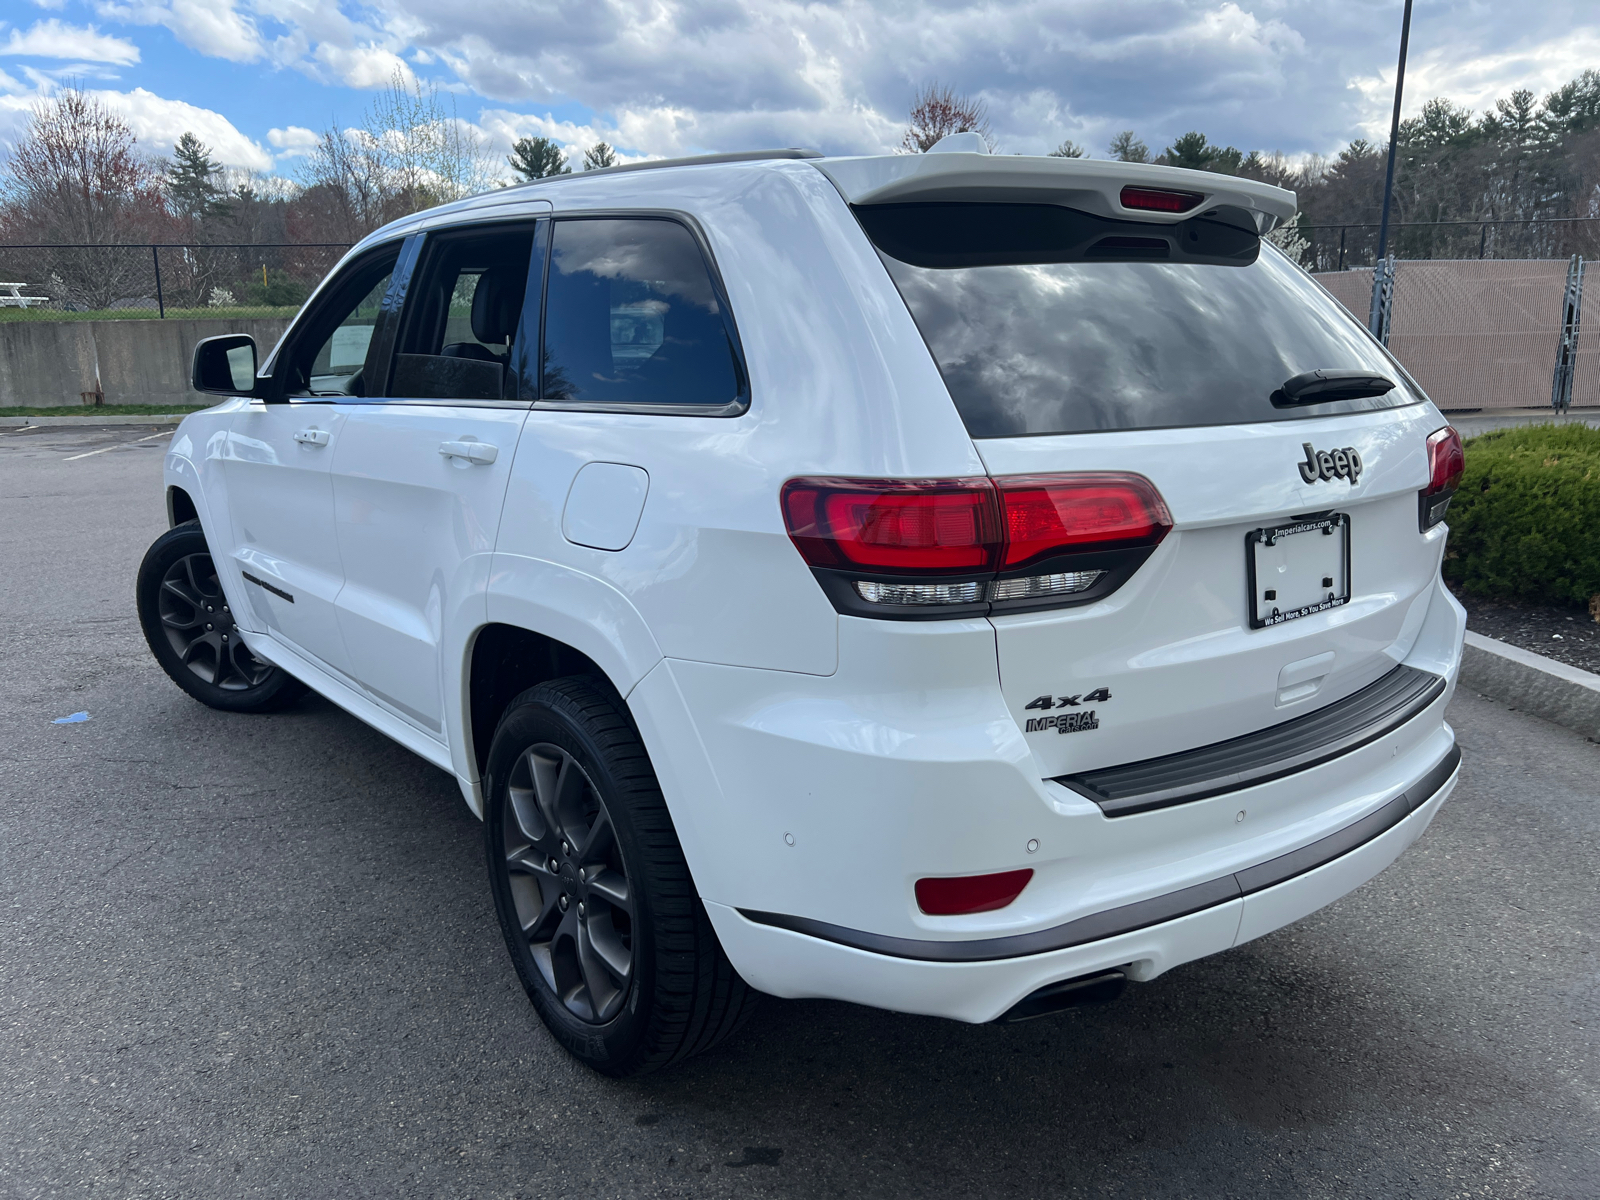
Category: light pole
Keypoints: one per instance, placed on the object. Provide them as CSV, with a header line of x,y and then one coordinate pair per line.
x,y
1373,319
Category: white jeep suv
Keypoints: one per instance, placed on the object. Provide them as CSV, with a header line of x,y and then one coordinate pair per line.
x,y
950,583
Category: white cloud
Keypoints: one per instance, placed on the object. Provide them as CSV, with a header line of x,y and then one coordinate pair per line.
x,y
213,27
292,142
52,39
664,77
158,123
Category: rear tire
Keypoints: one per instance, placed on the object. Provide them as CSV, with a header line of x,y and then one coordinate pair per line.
x,y
599,912
188,624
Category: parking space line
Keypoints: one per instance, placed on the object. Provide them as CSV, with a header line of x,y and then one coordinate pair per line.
x,y
19,429
118,446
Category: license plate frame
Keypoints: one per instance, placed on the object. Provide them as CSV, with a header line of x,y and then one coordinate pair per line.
x,y
1271,557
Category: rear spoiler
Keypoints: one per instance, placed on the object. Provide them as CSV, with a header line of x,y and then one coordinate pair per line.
x,y
1090,185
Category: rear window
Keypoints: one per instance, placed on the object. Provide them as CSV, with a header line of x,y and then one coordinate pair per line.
x,y
1044,319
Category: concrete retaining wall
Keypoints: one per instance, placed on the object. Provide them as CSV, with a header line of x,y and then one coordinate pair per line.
x,y
52,363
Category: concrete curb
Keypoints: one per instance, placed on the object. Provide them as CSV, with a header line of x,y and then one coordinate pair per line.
x,y
87,422
1533,683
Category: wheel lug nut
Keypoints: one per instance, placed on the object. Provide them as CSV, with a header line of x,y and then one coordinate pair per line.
x,y
566,849
580,908
564,901
555,867
209,627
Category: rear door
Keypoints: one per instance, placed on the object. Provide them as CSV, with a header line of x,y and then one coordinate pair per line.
x,y
1295,572
420,475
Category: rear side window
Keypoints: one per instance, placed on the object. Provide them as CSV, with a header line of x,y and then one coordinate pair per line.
x,y
463,315
1043,319
632,317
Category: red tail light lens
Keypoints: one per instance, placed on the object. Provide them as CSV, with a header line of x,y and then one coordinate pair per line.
x,y
969,542
1447,459
1160,199
941,527
1046,515
971,893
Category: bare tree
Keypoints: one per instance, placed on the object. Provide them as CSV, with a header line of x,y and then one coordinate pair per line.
x,y
76,177
938,111
410,152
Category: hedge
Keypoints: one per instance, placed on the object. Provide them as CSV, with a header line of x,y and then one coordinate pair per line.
x,y
1525,523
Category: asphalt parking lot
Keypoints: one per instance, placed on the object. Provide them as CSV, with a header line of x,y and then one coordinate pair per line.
x,y
256,956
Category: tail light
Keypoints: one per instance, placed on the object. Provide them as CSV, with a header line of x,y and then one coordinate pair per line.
x,y
1160,199
1446,461
960,547
971,893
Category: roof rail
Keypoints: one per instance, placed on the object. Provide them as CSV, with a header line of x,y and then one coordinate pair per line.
x,y
696,160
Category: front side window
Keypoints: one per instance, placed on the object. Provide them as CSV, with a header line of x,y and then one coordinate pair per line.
x,y
463,316
329,358
632,317
1043,319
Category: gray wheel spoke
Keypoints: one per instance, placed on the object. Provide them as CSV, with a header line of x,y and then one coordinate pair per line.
x,y
597,845
608,949
612,887
549,910
597,974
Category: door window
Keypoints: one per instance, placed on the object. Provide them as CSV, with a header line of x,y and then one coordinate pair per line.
x,y
329,354
634,318
463,314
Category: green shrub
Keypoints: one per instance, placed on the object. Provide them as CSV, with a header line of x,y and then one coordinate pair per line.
x,y
1525,524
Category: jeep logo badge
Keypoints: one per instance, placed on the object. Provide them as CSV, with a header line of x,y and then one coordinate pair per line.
x,y
1326,464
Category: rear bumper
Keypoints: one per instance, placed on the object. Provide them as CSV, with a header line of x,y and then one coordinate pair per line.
x,y
908,976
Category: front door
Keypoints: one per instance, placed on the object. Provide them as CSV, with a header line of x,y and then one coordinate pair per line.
x,y
278,466
418,479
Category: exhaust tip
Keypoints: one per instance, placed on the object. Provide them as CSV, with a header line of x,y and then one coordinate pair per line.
x,y
1099,988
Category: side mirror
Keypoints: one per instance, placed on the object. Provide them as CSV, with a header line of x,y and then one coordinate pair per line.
x,y
225,366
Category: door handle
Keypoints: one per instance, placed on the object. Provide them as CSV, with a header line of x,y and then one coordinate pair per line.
x,y
312,437
481,453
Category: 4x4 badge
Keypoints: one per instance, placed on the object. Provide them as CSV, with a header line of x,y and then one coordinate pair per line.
x,y
1327,464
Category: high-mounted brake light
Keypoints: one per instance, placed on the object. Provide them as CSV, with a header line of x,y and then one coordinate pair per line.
x,y
1446,461
1160,199
1013,541
970,893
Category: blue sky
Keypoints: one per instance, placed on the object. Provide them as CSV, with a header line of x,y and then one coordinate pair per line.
x,y
256,79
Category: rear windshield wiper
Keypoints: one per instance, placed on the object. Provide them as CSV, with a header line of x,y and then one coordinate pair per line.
x,y
1323,387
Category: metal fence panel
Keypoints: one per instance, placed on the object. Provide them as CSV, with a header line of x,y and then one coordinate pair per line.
x,y
1478,333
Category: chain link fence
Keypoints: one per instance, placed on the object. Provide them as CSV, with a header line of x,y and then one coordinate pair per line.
x,y
53,282
1480,333
1341,247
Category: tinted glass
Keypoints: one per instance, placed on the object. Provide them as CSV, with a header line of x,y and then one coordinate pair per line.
x,y
1037,327
463,316
632,317
336,369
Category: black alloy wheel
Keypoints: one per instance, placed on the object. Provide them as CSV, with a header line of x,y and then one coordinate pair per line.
x,y
606,931
199,626
189,625
569,883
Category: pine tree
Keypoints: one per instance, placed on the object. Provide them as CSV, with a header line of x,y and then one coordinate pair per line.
x,y
1126,147
599,155
1069,149
538,158
192,183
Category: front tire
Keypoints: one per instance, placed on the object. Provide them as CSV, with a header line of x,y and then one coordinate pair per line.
x,y
189,626
594,897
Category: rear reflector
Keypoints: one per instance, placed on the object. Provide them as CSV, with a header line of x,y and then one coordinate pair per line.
x,y
971,893
1446,461
1160,199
